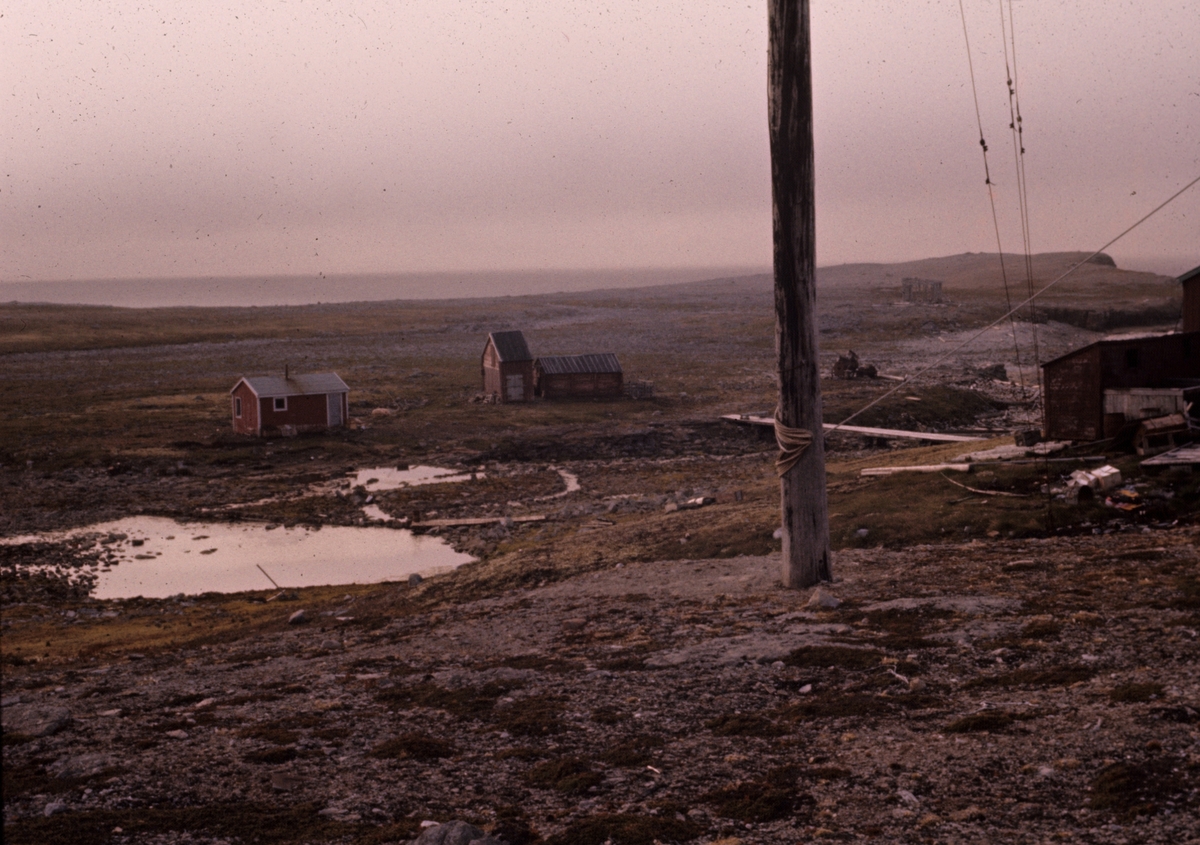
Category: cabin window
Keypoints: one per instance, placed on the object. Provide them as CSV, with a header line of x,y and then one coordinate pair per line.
x,y
237,407
280,403
1131,359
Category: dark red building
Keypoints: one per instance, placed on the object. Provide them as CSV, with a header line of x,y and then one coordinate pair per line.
x,y
1191,299
1093,392
290,404
507,367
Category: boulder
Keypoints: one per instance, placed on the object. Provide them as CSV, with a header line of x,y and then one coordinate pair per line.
x,y
35,719
81,766
454,833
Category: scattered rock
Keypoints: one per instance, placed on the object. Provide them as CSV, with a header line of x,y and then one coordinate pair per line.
x,y
35,719
454,833
53,808
414,579
178,734
81,766
298,618
822,599
285,781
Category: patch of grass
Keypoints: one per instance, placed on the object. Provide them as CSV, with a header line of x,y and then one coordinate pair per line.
x,y
536,715
413,746
1041,629
626,829
753,801
185,700
1054,676
635,751
626,663
270,732
542,663
1132,693
522,752
271,756
744,724
608,716
467,702
989,720
1130,789
820,657
259,824
571,775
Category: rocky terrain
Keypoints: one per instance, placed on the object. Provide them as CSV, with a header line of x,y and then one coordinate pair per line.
x,y
1024,691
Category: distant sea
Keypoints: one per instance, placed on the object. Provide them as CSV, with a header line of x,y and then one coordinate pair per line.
x,y
307,290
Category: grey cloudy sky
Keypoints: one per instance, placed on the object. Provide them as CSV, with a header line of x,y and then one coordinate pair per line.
x,y
237,137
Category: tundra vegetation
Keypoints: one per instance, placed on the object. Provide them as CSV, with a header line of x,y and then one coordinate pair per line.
x,y
1002,665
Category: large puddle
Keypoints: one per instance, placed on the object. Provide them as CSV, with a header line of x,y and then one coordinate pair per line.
x,y
159,557
392,478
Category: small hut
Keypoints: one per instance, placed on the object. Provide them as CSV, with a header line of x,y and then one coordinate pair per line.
x,y
507,367
578,376
1093,392
289,404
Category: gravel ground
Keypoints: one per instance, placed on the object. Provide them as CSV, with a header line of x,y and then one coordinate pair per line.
x,y
1022,691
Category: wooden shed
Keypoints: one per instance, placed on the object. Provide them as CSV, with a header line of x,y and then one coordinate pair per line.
x,y
575,376
1191,299
1076,384
289,404
507,367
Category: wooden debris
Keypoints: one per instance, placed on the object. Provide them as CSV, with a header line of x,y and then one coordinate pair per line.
x,y
879,471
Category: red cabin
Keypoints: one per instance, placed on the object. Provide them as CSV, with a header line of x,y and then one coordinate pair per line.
x,y
289,405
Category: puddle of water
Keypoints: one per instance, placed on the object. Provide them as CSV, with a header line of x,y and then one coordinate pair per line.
x,y
390,478
220,557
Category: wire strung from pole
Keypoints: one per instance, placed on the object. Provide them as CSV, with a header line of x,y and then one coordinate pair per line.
x,y
1017,130
1016,127
987,178
1020,305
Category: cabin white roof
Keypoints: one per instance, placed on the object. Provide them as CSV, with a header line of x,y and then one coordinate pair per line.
x,y
298,385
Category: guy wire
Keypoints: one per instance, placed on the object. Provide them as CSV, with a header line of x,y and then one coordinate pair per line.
x,y
1020,305
991,194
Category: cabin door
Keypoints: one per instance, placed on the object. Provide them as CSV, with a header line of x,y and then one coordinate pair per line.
x,y
334,401
515,388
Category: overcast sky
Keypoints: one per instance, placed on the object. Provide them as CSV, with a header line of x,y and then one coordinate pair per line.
x,y
250,137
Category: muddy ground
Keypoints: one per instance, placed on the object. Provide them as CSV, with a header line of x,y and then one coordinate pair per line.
x,y
1004,664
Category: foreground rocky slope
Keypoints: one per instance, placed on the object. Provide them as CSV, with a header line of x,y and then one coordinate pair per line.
x,y
1016,691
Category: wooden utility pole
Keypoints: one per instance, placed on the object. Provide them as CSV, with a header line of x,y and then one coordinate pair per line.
x,y
798,417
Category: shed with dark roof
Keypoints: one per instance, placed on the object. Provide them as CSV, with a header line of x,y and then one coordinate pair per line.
x,y
289,404
575,376
1095,391
507,367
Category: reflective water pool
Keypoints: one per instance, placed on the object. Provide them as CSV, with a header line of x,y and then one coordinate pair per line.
x,y
157,557
391,478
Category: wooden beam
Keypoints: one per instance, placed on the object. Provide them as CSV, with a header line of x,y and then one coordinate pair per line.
x,y
885,433
805,511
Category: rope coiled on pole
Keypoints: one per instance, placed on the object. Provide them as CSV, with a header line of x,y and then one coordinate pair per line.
x,y
791,442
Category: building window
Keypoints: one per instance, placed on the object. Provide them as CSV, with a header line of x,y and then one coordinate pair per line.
x,y
280,403
1131,359
237,407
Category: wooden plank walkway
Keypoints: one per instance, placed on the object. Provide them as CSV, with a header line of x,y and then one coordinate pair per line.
x,y
885,433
